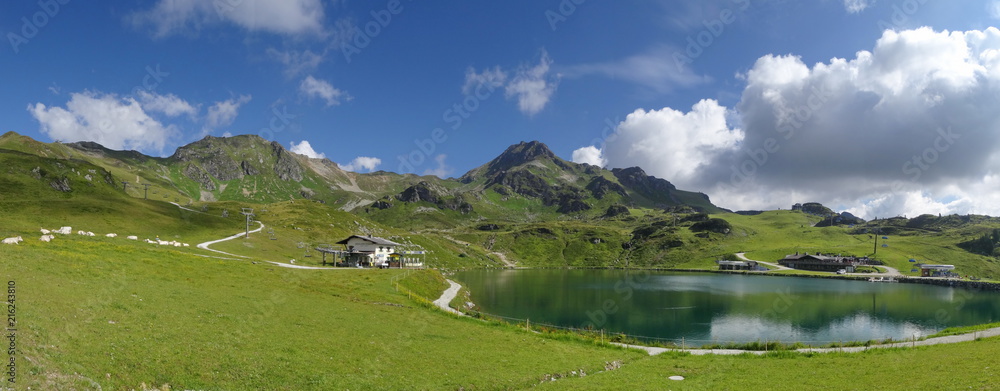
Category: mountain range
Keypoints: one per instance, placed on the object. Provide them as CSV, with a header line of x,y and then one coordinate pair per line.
x,y
525,178
525,207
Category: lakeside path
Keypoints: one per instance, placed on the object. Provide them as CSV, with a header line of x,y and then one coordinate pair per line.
x,y
994,332
776,266
447,296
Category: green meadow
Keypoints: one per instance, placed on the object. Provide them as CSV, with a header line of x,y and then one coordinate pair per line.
x,y
114,314
102,313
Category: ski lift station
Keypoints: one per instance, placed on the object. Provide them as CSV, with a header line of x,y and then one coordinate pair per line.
x,y
371,251
936,270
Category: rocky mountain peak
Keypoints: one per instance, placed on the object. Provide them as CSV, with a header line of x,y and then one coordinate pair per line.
x,y
515,155
636,178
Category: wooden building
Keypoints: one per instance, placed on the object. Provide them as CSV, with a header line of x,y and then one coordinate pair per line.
x,y
370,251
823,263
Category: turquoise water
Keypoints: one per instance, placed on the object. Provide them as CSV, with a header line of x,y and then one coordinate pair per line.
x,y
718,308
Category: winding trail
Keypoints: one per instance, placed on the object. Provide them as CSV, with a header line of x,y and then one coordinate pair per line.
x,y
187,209
204,246
776,266
449,295
855,349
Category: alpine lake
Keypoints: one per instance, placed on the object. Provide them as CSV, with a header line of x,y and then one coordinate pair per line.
x,y
696,309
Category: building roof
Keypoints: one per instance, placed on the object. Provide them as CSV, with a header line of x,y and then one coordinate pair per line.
x,y
811,256
938,267
372,239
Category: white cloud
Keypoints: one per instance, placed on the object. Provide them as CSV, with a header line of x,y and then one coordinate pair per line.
x,y
114,122
909,127
994,9
672,144
222,114
657,70
856,6
296,62
590,155
442,170
316,88
169,104
489,78
362,163
304,148
533,86
287,17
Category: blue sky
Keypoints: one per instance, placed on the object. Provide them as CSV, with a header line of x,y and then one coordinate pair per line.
x,y
375,84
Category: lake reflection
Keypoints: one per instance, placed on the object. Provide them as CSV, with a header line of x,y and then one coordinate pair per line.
x,y
704,307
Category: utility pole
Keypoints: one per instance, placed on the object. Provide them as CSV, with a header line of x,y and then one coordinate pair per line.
x,y
877,231
145,190
248,212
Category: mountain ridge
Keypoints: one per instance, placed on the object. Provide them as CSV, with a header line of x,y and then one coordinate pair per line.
x,y
251,168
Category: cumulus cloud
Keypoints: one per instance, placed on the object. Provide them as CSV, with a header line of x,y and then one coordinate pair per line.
x,y
116,123
222,114
304,148
856,6
673,144
169,104
362,163
287,17
442,170
533,86
905,128
590,155
315,88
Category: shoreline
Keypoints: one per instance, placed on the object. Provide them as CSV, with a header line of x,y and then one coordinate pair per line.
x,y
965,284
449,294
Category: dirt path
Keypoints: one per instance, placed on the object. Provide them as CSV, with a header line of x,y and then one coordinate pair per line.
x,y
447,296
775,266
927,342
503,258
204,246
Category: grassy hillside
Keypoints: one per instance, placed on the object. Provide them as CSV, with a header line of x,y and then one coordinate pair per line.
x,y
970,366
121,314
115,314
